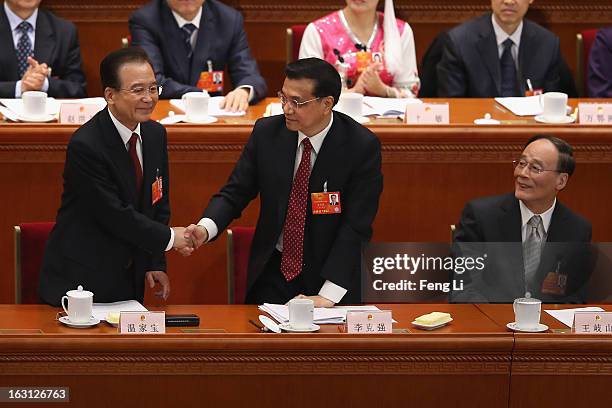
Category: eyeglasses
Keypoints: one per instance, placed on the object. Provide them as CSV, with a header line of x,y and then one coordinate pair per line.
x,y
141,91
293,104
534,169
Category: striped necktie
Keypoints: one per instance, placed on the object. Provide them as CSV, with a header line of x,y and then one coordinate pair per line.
x,y
24,47
187,30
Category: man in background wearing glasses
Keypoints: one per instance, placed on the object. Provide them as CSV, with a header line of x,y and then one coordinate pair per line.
x,y
111,230
302,246
533,216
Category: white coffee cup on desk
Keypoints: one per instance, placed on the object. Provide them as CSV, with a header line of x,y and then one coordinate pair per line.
x,y
79,305
554,106
301,313
34,104
351,104
527,313
196,106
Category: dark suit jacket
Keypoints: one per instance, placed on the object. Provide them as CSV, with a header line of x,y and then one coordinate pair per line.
x,y
104,238
470,60
497,219
221,39
600,65
332,242
56,44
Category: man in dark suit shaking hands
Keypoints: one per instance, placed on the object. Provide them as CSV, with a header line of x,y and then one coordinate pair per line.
x,y
495,54
111,230
40,52
302,246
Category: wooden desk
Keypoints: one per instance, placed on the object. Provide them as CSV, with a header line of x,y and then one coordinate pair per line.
x,y
557,369
467,361
430,172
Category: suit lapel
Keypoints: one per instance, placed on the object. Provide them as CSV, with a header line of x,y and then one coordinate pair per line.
x,y
8,57
487,48
201,53
527,51
45,41
176,45
327,159
551,251
149,165
119,155
510,226
286,145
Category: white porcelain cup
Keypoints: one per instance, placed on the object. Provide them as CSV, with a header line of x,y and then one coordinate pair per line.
x,y
301,313
196,105
554,105
527,313
351,104
79,305
34,103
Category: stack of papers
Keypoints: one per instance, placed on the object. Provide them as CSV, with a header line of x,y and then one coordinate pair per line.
x,y
101,310
373,105
566,316
322,315
522,106
213,107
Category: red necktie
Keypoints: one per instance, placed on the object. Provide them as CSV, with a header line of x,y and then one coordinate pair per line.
x,y
136,162
293,233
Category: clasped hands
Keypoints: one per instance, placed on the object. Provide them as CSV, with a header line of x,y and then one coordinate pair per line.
x,y
34,78
188,239
369,81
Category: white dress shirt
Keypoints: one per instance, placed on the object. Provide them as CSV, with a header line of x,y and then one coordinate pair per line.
x,y
126,135
329,290
526,215
14,21
501,36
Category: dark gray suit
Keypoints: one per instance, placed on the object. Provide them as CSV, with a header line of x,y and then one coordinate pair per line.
x,y
497,219
470,64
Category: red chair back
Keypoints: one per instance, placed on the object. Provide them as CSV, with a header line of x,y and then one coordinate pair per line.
x,y
30,241
239,241
294,40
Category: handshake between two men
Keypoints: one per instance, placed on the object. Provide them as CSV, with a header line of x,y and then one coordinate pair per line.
x,y
188,239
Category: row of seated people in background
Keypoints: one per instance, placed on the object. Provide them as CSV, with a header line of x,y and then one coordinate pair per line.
x,y
491,55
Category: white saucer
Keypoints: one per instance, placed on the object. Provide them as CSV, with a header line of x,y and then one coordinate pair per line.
x,y
204,121
430,327
556,121
34,119
286,327
92,322
541,327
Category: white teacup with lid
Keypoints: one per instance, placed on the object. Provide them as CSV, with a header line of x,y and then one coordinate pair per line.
x,y
79,305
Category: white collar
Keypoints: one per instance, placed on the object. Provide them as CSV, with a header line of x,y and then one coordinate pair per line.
x,y
546,216
317,140
181,21
124,132
15,20
501,35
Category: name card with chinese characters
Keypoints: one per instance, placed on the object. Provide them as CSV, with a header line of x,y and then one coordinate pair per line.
x,y
427,114
77,113
142,323
369,322
595,113
593,322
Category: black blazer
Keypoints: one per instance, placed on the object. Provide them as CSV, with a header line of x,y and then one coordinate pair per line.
x,y
497,219
349,161
221,39
104,238
56,43
470,60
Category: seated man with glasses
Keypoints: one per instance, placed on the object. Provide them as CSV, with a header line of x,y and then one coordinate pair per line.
x,y
533,216
111,230
302,246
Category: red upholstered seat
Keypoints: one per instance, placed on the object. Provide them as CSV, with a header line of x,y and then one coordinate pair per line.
x,y
584,43
294,40
30,240
238,251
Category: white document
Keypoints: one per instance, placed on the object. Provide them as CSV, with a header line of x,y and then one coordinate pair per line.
x,y
322,315
101,310
213,107
273,109
566,316
522,106
373,105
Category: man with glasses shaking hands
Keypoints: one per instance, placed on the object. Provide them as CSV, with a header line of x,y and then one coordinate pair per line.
x,y
533,216
303,246
111,231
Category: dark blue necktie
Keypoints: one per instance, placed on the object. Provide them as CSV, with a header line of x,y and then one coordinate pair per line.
x,y
24,47
509,82
188,29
